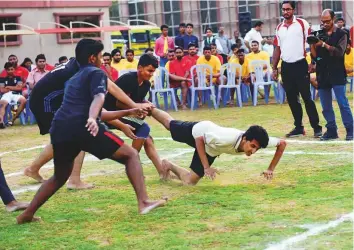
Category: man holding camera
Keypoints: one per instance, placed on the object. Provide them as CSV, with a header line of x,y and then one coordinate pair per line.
x,y
289,44
327,49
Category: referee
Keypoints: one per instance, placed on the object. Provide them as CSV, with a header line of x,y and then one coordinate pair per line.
x,y
289,44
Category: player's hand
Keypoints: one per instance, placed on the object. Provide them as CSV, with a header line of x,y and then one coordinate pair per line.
x,y
268,174
129,131
92,126
275,74
211,173
140,113
147,106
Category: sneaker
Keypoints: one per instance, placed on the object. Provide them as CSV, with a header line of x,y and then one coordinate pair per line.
x,y
317,132
329,135
296,132
349,136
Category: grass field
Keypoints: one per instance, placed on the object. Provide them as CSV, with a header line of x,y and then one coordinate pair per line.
x,y
239,210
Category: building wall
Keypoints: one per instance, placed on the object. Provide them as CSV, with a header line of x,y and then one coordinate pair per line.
x,y
33,45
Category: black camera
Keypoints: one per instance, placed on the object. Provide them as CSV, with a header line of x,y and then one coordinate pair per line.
x,y
316,36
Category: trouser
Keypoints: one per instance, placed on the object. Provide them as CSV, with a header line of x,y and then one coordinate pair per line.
x,y
344,107
296,81
5,192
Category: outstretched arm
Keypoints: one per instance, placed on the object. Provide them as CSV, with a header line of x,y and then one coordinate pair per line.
x,y
113,115
95,109
278,154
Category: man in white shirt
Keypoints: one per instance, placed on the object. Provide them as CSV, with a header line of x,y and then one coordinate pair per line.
x,y
255,35
210,141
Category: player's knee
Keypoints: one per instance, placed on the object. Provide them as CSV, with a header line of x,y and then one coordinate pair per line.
x,y
143,131
125,153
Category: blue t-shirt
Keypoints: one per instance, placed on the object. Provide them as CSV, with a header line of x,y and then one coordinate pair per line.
x,y
71,118
188,40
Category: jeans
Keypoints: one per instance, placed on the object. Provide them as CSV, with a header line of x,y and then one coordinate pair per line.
x,y
342,100
5,192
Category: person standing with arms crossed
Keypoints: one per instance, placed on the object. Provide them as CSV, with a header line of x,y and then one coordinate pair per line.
x,y
289,44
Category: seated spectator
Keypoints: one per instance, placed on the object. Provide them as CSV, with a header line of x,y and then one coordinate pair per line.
x,y
111,72
10,88
214,52
130,62
348,60
257,54
268,46
149,51
36,74
19,70
28,64
192,54
234,49
118,61
170,57
62,59
179,73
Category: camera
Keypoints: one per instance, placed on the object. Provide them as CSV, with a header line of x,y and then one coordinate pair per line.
x,y
316,36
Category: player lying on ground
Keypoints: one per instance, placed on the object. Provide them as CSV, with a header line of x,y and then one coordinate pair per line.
x,y
46,99
210,141
76,127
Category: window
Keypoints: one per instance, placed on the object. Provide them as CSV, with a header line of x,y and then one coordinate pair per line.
x,y
114,11
10,40
136,11
249,6
209,15
172,16
336,6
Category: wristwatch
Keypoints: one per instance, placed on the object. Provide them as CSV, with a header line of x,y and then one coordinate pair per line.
x,y
323,44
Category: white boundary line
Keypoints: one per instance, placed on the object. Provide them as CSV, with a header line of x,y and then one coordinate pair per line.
x,y
285,244
22,150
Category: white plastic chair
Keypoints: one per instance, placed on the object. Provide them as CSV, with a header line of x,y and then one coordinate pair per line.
x,y
158,88
261,77
232,70
124,71
202,71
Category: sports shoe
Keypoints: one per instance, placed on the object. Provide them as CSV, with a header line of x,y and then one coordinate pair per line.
x,y
349,136
329,135
317,132
296,132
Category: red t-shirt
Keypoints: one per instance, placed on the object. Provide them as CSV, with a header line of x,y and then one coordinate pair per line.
x,y
19,71
220,59
351,33
192,59
179,68
49,67
114,72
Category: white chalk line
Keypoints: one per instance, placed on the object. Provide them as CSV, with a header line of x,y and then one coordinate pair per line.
x,y
285,244
22,150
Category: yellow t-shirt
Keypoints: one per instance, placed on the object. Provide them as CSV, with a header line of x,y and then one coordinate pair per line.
x,y
130,65
118,66
262,55
245,69
214,62
308,57
348,61
167,66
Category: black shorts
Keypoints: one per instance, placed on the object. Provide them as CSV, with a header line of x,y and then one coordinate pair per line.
x,y
142,129
182,132
103,145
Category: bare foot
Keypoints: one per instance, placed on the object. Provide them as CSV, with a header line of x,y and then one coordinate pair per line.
x,y
34,175
23,218
79,186
184,107
16,206
167,175
200,104
148,206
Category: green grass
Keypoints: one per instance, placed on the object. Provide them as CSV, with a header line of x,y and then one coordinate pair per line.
x,y
239,210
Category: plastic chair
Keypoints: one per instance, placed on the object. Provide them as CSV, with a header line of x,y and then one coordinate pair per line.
x,y
350,80
232,70
158,88
8,114
201,71
259,79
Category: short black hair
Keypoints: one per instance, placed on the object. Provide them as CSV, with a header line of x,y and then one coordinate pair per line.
x,y
206,48
62,58
86,48
240,51
292,3
40,57
208,28
129,51
8,65
149,49
191,45
258,24
12,55
163,26
341,19
182,25
114,52
234,46
189,24
146,60
331,13
107,54
214,44
257,133
254,41
180,48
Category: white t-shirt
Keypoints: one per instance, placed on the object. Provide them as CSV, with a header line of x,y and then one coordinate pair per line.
x,y
220,140
254,35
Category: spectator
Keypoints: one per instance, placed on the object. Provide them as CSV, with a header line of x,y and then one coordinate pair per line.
x,y
257,54
170,57
130,62
348,60
179,39
179,73
111,72
189,38
11,86
340,22
28,64
149,51
192,54
214,63
211,39
117,61
7,197
62,59
237,40
234,49
19,70
225,43
214,52
163,43
268,46
37,73
255,35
